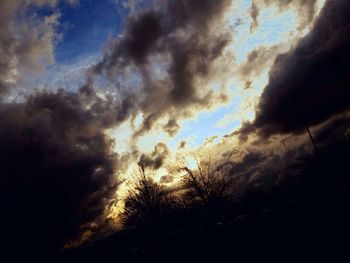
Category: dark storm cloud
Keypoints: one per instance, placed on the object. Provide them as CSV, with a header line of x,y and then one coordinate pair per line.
x,y
310,83
249,170
167,179
334,129
156,159
182,36
142,37
264,164
56,169
182,145
250,159
56,164
256,61
172,127
267,165
254,13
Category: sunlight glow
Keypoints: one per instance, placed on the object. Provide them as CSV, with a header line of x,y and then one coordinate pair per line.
x,y
277,32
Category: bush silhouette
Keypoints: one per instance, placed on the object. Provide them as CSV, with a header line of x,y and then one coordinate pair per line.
x,y
146,203
206,185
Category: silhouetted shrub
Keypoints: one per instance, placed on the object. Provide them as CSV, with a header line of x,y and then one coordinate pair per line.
x,y
147,203
206,185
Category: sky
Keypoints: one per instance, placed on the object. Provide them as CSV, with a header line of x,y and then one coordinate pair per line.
x,y
276,31
90,89
82,34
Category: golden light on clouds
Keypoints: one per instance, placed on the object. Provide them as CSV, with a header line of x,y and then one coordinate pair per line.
x,y
241,73
148,94
246,75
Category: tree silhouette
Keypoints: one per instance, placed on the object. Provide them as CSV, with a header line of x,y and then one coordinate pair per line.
x,y
146,203
205,184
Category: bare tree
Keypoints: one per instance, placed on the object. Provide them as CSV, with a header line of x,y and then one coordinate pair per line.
x,y
206,183
146,202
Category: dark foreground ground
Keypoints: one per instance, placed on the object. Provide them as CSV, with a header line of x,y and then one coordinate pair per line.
x,y
310,227
304,218
301,231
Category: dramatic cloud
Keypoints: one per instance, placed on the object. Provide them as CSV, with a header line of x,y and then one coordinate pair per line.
x,y
182,145
26,41
56,167
181,41
156,159
56,163
166,179
257,61
310,83
254,13
334,129
172,127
